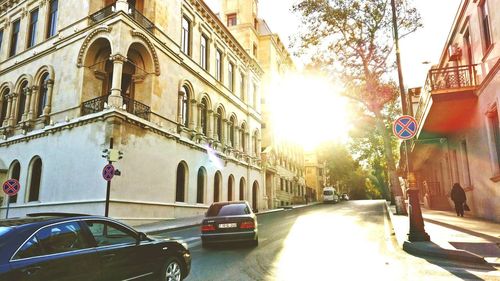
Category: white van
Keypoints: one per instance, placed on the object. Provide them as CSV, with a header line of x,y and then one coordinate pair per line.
x,y
330,195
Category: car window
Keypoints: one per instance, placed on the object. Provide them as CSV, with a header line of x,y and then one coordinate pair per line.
x,y
106,233
60,238
228,210
328,192
30,248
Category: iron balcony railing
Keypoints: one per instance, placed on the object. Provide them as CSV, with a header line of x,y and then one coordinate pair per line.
x,y
141,19
131,106
133,13
102,14
450,79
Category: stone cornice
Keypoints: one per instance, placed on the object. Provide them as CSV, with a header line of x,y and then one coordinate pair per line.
x,y
5,5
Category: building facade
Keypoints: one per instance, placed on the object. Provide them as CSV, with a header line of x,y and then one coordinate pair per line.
x,y
315,175
459,135
283,160
164,82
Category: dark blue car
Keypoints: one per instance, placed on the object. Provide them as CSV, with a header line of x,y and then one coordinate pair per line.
x,y
54,247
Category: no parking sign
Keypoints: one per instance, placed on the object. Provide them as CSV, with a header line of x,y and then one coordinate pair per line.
x,y
405,127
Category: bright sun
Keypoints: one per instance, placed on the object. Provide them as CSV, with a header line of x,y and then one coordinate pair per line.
x,y
308,110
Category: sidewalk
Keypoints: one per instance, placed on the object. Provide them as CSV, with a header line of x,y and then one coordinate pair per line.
x,y
466,239
179,223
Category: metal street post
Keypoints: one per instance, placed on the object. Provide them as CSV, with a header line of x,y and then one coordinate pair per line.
x,y
417,230
108,187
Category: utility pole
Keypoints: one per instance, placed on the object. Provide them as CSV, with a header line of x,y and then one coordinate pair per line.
x,y
417,230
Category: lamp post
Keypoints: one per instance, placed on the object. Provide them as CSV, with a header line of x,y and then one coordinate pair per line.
x,y
417,230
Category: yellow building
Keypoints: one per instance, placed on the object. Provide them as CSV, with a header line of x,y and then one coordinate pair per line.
x,y
283,161
164,82
315,175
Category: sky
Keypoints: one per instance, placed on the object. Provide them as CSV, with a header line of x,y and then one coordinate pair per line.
x,y
426,44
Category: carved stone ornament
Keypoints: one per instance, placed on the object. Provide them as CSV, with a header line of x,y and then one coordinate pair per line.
x,y
88,39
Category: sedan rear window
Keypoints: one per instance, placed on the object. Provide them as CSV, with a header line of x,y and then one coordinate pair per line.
x,y
328,192
228,210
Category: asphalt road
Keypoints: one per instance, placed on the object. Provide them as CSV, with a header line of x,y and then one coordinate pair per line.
x,y
346,241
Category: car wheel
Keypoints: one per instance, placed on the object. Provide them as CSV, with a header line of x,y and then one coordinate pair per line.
x,y
172,270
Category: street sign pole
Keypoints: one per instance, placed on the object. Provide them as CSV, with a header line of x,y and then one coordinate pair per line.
x,y
108,187
8,205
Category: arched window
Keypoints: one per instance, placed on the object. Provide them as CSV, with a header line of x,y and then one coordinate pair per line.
x,y
21,101
4,101
256,143
230,186
42,94
200,187
15,173
220,114
204,115
35,178
231,130
180,187
242,188
185,106
243,138
217,186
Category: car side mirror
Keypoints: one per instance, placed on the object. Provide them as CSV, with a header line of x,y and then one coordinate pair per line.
x,y
142,236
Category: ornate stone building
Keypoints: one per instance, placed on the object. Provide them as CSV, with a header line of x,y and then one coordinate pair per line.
x,y
458,140
164,82
283,160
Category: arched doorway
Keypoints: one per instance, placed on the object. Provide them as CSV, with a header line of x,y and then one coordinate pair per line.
x,y
255,195
242,189
217,186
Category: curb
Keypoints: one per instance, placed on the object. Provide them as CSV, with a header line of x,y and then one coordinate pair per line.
x,y
172,228
390,216
430,249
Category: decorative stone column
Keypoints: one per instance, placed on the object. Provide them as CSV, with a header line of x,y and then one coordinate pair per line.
x,y
48,105
33,105
223,137
199,129
236,144
180,99
209,124
246,149
27,93
115,100
6,121
216,124
193,113
13,111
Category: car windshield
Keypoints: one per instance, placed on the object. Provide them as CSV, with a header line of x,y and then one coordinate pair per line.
x,y
227,210
4,230
328,192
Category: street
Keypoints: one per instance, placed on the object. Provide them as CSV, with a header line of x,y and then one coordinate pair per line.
x,y
346,241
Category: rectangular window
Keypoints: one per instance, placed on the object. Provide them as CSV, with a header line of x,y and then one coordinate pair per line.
x,y
465,160
52,23
230,76
218,65
32,28
242,87
485,24
254,50
281,184
254,102
231,20
14,38
204,52
1,39
185,35
494,132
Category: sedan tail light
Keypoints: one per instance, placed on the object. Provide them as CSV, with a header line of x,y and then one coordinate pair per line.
x,y
247,225
207,227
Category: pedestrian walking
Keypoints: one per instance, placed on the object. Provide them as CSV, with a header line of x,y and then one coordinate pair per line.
x,y
459,198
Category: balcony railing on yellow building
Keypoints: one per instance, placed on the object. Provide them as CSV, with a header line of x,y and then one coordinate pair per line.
x,y
133,13
446,80
131,106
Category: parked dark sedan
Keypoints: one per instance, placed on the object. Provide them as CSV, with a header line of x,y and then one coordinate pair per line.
x,y
229,222
55,246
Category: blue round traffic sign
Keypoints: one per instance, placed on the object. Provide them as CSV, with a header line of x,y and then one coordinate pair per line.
x,y
405,127
11,187
108,172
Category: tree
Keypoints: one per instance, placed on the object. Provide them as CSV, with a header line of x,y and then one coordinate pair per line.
x,y
352,40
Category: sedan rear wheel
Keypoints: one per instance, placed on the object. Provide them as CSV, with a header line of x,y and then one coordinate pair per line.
x,y
172,271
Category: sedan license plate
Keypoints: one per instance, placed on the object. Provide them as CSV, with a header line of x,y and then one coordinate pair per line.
x,y
227,225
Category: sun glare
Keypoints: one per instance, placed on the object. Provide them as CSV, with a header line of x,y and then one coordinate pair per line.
x,y
308,110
